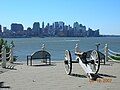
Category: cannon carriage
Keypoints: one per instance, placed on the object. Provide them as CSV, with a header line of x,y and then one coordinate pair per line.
x,y
89,61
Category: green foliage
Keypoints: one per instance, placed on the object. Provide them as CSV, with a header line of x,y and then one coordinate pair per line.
x,y
118,55
7,46
115,57
15,58
4,42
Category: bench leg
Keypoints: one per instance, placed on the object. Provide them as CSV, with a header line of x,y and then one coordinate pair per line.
x,y
46,61
27,60
30,62
49,61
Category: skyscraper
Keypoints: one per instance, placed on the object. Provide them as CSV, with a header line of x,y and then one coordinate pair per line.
x,y
42,25
61,25
36,28
55,28
76,28
43,30
17,27
55,25
4,29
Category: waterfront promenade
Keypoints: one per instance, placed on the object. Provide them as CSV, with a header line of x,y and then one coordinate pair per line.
x,y
42,77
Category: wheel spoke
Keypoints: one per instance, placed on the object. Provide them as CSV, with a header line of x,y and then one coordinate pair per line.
x,y
95,57
68,62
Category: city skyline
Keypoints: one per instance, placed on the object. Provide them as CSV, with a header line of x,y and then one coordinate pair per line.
x,y
56,29
103,14
41,25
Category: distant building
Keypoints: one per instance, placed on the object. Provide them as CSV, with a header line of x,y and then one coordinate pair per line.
x,y
76,26
43,30
17,27
51,31
36,29
57,29
36,26
96,33
29,31
91,33
84,31
70,32
77,29
4,29
46,30
61,25
56,25
0,29
42,24
65,31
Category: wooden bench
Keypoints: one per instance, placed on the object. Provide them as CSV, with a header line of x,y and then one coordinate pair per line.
x,y
44,55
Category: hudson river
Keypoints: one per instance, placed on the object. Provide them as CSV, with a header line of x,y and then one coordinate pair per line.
x,y
57,45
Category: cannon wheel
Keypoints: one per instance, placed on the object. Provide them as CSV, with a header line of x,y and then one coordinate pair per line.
x,y
68,62
96,59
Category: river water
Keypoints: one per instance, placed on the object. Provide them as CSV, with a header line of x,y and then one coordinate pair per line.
x,y
57,45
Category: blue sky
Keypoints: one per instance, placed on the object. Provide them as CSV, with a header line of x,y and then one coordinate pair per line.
x,y
96,14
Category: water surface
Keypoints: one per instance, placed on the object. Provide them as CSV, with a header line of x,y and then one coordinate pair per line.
x,y
57,45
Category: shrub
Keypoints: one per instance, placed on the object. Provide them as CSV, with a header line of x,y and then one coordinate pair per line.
x,y
7,47
115,57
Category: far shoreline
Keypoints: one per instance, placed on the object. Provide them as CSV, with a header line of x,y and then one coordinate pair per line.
x,y
64,37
